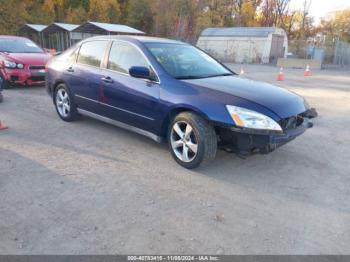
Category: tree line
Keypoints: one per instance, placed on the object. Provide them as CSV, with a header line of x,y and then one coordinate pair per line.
x,y
179,19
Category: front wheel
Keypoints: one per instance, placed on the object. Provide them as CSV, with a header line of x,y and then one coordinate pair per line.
x,y
64,104
192,141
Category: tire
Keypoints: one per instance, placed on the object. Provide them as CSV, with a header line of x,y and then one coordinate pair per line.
x,y
192,141
64,104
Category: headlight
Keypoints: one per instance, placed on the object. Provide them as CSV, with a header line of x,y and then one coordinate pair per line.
x,y
251,119
10,64
20,66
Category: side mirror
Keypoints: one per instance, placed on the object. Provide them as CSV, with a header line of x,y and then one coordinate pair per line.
x,y
141,72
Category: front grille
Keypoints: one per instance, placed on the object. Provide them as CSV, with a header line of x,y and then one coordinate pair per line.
x,y
291,122
37,78
36,67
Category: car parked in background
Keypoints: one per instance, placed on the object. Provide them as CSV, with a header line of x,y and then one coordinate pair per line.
x,y
172,91
21,62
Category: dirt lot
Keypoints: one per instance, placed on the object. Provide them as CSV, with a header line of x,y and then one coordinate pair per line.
x,y
91,188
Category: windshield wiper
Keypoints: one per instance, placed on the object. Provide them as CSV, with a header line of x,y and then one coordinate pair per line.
x,y
189,77
198,77
217,75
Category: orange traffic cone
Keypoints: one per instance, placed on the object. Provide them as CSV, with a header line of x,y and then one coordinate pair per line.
x,y
2,126
242,71
307,71
280,74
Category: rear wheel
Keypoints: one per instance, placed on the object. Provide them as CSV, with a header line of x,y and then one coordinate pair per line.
x,y
192,140
64,103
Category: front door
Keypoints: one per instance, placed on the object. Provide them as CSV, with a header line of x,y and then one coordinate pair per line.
x,y
124,98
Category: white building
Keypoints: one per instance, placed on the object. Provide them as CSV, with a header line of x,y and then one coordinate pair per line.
x,y
245,44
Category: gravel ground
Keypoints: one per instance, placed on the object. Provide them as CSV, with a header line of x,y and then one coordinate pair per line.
x,y
91,188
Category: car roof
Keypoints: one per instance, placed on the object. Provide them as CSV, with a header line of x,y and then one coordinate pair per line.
x,y
141,39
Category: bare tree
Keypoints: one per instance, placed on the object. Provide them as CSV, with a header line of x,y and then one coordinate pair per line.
x,y
282,8
305,13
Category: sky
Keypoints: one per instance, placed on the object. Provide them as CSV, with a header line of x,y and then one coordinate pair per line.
x,y
320,8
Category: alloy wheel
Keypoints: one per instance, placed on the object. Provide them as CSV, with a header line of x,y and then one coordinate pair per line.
x,y
183,141
62,102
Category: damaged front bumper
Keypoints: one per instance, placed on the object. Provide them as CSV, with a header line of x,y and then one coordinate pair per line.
x,y
245,142
24,76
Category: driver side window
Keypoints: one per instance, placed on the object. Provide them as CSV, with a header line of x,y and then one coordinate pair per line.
x,y
123,56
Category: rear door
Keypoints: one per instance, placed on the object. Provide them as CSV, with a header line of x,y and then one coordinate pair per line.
x,y
124,98
86,74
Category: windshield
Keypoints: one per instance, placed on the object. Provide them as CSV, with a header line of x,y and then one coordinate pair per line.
x,y
18,45
185,61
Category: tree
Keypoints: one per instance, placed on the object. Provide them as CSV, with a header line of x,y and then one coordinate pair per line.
x,y
244,12
140,15
164,17
337,26
125,7
37,13
107,11
76,15
13,14
305,22
179,19
55,9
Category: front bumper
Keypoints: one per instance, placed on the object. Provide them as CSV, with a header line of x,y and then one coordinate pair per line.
x,y
246,142
24,76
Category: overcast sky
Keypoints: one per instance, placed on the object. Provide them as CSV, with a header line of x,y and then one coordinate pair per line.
x,y
320,8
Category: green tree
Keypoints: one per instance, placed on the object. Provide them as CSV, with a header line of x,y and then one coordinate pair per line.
x,y
141,16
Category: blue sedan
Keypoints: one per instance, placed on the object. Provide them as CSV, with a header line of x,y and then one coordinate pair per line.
x,y
171,91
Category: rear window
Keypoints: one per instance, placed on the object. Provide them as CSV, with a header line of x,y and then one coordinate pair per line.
x,y
18,45
91,53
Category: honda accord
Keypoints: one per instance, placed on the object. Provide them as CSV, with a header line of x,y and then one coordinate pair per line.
x,y
171,91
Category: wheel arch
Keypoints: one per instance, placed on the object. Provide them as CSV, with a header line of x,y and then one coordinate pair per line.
x,y
174,111
55,85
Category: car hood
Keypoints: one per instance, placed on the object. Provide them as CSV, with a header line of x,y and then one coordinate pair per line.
x,y
29,58
278,100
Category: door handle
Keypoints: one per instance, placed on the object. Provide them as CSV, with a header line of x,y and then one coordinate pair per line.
x,y
70,69
107,79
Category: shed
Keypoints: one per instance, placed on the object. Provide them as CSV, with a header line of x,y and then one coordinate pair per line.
x,y
33,32
245,44
58,36
90,29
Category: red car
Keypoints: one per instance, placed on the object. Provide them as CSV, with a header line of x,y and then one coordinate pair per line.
x,y
21,62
